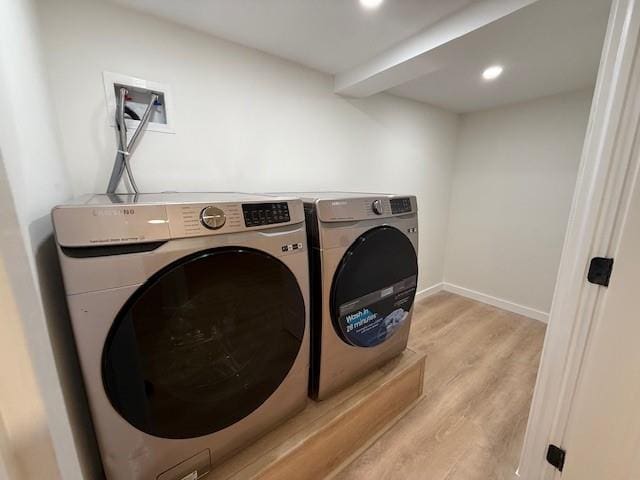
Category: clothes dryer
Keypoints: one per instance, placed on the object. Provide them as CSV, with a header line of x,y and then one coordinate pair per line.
x,y
364,268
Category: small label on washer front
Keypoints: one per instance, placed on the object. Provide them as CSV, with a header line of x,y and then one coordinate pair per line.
x,y
192,476
291,247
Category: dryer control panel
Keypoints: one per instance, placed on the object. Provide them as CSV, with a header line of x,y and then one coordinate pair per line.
x,y
400,205
363,208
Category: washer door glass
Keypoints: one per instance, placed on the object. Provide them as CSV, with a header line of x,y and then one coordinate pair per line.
x,y
374,287
204,342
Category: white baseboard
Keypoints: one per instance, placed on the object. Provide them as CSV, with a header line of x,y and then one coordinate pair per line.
x,y
427,292
496,302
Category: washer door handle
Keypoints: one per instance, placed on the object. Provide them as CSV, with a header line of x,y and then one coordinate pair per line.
x,y
281,233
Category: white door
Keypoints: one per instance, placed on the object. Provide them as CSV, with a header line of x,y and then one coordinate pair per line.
x,y
603,434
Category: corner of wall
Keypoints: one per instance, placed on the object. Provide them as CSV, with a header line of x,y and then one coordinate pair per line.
x,y
452,184
35,178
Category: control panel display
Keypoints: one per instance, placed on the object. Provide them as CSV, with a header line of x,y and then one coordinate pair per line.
x,y
400,205
257,214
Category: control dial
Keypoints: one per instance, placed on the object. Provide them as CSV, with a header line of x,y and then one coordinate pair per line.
x,y
376,206
212,218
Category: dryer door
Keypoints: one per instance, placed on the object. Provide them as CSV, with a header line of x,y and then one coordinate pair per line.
x,y
204,342
374,287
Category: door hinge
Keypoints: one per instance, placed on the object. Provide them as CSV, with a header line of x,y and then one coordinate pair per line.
x,y
555,456
600,271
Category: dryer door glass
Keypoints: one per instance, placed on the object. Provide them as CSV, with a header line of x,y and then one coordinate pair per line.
x,y
204,342
374,287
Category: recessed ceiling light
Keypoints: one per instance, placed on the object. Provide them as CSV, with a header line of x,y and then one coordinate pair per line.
x,y
492,72
370,4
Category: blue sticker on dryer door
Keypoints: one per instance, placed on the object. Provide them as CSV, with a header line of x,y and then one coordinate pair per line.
x,y
373,318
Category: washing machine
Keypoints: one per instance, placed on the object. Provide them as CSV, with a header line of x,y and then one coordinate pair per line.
x,y
364,270
190,317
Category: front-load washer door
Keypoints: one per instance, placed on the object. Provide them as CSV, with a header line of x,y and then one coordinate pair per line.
x,y
374,287
204,342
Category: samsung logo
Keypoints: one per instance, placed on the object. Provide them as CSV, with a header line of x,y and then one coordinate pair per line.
x,y
113,212
338,203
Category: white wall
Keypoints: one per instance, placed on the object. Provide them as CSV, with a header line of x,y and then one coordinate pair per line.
x,y
37,366
515,172
244,120
25,432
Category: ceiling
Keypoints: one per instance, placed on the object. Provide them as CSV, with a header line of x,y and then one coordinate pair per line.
x,y
327,35
548,47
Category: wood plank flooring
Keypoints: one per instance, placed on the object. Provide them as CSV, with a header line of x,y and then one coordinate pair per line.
x,y
480,373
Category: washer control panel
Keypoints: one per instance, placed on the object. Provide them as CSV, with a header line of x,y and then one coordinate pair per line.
x,y
400,205
102,220
212,218
199,219
258,214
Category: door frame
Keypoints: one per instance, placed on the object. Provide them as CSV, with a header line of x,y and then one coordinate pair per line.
x,y
597,214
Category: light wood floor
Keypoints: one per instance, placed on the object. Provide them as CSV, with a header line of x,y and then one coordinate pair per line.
x,y
480,372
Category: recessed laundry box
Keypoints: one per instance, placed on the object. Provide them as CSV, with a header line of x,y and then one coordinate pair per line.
x,y
190,315
364,271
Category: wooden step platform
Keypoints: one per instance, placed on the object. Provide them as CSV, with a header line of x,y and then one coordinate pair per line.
x,y
327,435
